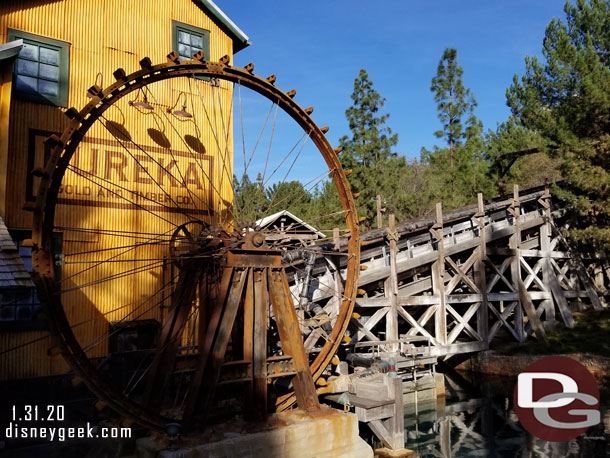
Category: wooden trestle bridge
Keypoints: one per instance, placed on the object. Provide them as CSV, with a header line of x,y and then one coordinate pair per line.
x,y
467,277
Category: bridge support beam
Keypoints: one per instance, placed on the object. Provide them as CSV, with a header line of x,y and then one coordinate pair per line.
x,y
438,278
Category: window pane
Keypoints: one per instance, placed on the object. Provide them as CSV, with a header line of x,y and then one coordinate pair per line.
x,y
7,313
49,56
196,50
32,298
48,88
27,67
24,313
184,50
25,251
26,84
184,37
29,52
27,262
197,41
49,72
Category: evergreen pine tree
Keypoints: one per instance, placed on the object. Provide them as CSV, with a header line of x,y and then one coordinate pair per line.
x,y
456,173
368,151
566,97
454,103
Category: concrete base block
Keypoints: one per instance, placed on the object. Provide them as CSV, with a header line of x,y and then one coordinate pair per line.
x,y
400,453
287,434
439,380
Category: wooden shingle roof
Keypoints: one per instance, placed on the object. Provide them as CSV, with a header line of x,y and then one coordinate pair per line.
x,y
13,273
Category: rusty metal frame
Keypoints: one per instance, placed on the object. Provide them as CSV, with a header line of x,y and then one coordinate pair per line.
x,y
62,150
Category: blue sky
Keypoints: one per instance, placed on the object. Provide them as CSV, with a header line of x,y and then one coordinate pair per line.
x,y
317,47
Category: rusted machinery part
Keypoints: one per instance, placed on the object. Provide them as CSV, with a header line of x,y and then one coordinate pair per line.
x,y
63,148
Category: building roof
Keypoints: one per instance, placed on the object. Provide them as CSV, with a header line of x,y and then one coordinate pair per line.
x,y
297,226
240,39
13,273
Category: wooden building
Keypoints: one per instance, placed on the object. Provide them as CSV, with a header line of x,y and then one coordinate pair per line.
x,y
54,50
288,228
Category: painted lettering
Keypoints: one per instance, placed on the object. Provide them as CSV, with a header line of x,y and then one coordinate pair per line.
x,y
141,173
115,161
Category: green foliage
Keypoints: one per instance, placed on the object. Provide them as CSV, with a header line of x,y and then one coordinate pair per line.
x,y
566,99
249,200
368,151
567,96
455,103
590,334
527,171
457,173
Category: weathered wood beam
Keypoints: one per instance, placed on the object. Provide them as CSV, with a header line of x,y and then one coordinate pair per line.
x,y
416,326
515,264
461,273
530,311
502,320
560,300
532,274
480,276
464,298
580,271
499,274
450,217
380,273
375,318
438,274
372,302
465,347
530,253
417,300
463,323
391,284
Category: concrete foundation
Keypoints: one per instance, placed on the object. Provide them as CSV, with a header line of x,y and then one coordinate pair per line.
x,y
429,389
289,434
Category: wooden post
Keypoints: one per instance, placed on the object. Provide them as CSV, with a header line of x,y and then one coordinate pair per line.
x,y
391,286
397,421
581,273
445,437
259,359
598,277
379,217
479,271
515,266
530,310
438,278
389,426
545,247
292,344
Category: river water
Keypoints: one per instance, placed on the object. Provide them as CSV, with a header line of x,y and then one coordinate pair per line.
x,y
478,420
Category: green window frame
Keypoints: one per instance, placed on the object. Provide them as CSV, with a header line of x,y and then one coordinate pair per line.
x,y
41,69
188,39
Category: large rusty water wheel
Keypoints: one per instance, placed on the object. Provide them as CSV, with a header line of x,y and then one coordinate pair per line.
x,y
139,188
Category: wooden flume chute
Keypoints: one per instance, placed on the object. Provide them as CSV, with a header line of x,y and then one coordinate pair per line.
x,y
229,322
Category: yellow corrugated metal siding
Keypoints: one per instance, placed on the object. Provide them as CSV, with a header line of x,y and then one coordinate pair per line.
x,y
103,36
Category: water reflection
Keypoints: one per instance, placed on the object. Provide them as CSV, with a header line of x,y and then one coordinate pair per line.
x,y
478,420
